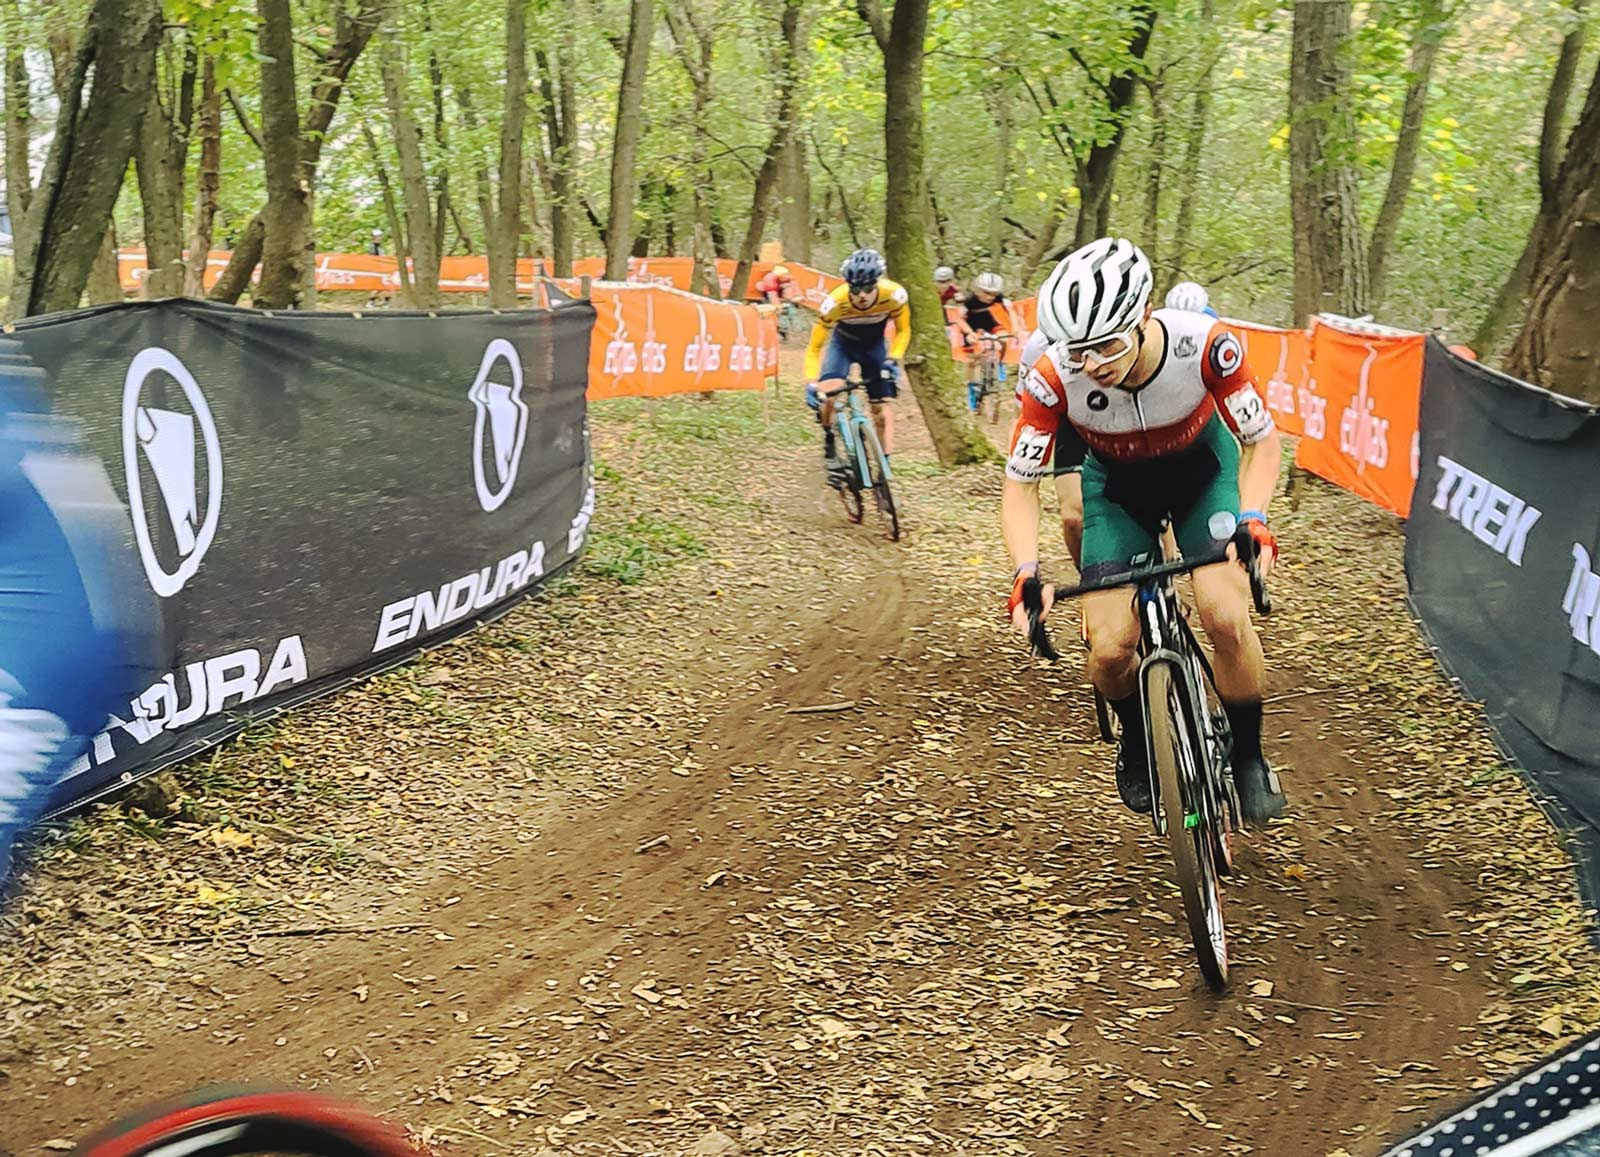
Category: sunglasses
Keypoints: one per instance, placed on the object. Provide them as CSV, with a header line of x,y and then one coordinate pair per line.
x,y
1100,352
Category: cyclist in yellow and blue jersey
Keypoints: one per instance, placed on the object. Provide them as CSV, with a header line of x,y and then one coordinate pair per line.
x,y
851,330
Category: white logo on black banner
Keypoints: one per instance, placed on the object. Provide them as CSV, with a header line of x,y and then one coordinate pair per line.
x,y
504,414
1582,600
1495,516
162,443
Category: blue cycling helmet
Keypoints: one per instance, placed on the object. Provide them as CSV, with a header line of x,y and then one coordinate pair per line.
x,y
863,268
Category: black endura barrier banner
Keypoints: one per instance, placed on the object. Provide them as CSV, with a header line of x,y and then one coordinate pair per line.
x,y
313,496
1503,563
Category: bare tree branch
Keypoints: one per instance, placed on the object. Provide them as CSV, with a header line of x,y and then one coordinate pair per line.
x,y
243,118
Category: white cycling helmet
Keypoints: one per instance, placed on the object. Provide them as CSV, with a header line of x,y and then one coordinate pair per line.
x,y
988,283
1096,292
1186,295
944,273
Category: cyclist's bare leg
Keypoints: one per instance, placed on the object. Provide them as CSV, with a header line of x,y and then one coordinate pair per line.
x,y
883,422
1113,631
1069,495
1222,596
825,415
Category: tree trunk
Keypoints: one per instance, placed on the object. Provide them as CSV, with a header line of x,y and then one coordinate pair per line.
x,y
160,160
415,191
932,372
695,46
767,176
794,204
1509,300
352,35
625,144
1431,29
1098,172
1043,242
844,202
209,183
19,133
1002,172
391,210
502,236
89,155
1193,146
560,101
287,217
105,277
1330,266
1556,347
1151,241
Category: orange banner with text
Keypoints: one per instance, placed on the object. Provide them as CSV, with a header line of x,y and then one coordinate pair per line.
x,y
1367,382
1280,359
650,341
362,273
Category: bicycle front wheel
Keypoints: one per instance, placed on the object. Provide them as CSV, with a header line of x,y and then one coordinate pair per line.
x,y
244,1121
1189,840
878,481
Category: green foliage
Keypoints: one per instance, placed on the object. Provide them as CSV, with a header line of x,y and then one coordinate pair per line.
x,y
1039,67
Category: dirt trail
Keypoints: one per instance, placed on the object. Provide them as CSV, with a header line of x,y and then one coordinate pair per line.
x,y
918,924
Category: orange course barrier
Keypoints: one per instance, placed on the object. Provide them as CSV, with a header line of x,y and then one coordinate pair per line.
x,y
1281,362
363,273
1368,382
650,342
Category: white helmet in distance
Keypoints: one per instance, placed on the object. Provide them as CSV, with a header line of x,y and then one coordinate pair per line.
x,y
944,273
1095,292
1186,295
988,283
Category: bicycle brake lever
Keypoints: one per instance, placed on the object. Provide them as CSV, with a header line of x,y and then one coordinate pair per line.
x,y
1038,637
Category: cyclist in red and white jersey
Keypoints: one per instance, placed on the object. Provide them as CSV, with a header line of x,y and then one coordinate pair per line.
x,y
1159,398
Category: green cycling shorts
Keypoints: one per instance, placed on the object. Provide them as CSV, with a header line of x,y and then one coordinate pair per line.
x,y
1123,503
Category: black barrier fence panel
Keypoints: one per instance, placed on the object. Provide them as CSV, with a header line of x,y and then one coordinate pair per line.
x,y
1503,564
314,496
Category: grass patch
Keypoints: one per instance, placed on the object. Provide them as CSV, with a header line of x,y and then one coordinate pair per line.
x,y
646,545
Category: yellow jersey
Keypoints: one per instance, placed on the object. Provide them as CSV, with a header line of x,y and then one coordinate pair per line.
x,y
861,325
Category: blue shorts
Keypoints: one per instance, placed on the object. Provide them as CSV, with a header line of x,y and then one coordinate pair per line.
x,y
871,356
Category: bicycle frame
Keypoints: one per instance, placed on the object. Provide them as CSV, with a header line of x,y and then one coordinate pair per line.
x,y
850,420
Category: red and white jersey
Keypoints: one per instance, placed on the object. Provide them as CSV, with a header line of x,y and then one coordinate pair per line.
x,y
1203,370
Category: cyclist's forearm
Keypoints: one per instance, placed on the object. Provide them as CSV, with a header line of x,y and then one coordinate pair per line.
x,y
902,335
1019,520
1259,466
819,341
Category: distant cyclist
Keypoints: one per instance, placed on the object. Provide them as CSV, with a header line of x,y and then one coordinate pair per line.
x,y
1190,297
944,278
776,287
984,311
852,329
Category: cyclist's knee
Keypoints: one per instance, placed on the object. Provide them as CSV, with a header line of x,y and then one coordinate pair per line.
x,y
1113,646
1226,618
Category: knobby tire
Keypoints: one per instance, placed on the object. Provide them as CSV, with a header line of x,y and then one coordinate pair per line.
x,y
880,483
243,1121
1178,776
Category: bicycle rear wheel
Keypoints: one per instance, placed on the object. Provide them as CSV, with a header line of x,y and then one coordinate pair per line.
x,y
882,494
1189,839
242,1121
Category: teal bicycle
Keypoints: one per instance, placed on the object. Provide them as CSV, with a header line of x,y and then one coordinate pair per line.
x,y
866,465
